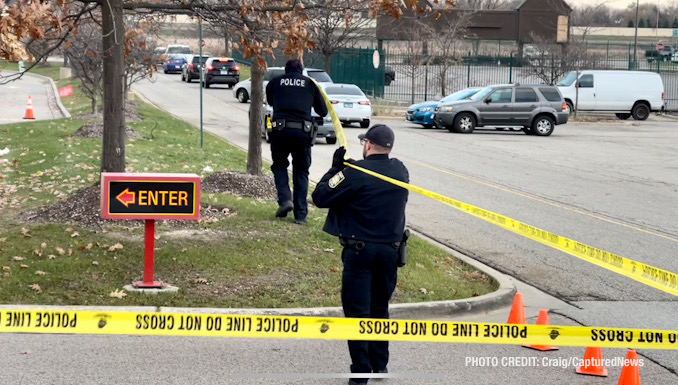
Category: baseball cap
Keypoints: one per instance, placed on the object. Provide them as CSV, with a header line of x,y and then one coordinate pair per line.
x,y
380,134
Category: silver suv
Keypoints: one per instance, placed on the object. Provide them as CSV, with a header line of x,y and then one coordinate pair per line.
x,y
537,109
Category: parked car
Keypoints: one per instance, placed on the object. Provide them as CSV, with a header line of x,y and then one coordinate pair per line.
x,y
175,49
389,75
422,113
325,127
191,69
243,90
221,70
350,103
173,63
665,55
535,108
623,93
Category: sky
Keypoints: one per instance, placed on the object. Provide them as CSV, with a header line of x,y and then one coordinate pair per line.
x,y
615,3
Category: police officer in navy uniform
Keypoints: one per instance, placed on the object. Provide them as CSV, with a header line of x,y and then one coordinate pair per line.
x,y
368,216
292,95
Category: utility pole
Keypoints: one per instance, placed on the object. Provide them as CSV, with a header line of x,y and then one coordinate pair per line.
x,y
635,37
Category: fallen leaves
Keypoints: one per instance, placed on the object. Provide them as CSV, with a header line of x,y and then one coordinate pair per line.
x,y
40,272
60,251
95,263
6,268
25,232
35,287
201,281
334,269
18,259
51,256
118,294
115,247
24,266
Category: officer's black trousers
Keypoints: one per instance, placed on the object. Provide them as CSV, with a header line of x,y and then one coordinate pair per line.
x,y
297,143
368,281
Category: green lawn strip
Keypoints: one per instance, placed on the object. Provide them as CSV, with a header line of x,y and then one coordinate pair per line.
x,y
246,259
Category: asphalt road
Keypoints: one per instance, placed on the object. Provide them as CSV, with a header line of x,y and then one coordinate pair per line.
x,y
14,97
611,185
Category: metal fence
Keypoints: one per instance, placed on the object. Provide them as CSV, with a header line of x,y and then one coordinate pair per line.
x,y
423,74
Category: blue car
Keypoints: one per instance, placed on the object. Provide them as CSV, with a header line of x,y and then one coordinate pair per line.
x,y
174,63
422,113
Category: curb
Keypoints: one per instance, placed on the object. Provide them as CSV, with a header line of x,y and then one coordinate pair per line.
x,y
55,92
502,297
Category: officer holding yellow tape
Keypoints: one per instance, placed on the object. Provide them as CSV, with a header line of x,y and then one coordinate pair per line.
x,y
368,216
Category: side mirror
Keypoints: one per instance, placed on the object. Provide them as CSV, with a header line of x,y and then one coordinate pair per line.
x,y
488,100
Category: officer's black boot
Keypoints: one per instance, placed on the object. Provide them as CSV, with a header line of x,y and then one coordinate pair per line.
x,y
283,209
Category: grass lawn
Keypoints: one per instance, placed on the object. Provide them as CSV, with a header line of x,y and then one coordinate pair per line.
x,y
243,259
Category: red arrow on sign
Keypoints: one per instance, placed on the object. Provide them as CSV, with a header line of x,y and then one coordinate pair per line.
x,y
126,197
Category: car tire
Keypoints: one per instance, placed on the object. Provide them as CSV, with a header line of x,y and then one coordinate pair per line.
x,y
230,86
623,116
543,125
365,123
640,111
207,85
183,79
428,126
464,123
527,131
570,108
331,140
242,96
165,71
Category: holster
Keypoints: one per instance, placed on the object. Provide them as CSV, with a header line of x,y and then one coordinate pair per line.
x,y
402,250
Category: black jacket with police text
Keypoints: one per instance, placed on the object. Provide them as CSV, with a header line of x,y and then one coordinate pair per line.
x,y
363,207
292,95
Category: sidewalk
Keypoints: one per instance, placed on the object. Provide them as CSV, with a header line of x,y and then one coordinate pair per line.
x,y
14,98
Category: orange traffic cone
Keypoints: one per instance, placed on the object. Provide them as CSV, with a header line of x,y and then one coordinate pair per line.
x,y
593,365
29,109
542,319
517,315
630,374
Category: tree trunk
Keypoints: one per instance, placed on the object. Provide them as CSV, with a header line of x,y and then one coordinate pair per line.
x,y
443,80
113,154
227,44
94,104
256,119
328,63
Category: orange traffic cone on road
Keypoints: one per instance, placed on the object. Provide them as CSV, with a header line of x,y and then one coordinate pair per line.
x,y
593,364
542,319
630,374
517,315
29,109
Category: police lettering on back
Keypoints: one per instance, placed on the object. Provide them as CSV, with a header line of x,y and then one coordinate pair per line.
x,y
293,82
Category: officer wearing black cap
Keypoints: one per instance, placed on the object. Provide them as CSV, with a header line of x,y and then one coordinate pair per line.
x,y
292,95
368,216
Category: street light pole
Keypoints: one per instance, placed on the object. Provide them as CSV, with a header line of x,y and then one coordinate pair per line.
x,y
635,37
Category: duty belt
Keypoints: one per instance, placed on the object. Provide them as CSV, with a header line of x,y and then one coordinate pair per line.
x,y
359,245
289,124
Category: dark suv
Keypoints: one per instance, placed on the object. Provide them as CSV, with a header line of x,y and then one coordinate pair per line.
x,y
221,70
537,109
191,70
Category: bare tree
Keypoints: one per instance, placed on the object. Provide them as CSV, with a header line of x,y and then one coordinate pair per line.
x,y
484,4
334,28
285,19
139,55
444,40
85,53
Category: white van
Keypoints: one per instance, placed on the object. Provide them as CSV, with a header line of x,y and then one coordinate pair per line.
x,y
624,93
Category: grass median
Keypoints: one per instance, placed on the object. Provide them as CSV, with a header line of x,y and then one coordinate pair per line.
x,y
237,255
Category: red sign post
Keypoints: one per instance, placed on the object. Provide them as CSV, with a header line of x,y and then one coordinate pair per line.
x,y
150,197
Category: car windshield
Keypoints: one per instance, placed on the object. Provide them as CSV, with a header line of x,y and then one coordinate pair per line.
x,y
179,50
480,95
459,95
343,91
567,80
196,59
175,57
320,76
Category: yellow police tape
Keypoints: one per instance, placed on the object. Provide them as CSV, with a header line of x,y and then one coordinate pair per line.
x,y
266,326
338,129
649,275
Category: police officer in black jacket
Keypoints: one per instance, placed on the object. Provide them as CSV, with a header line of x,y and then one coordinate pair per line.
x,y
368,216
292,95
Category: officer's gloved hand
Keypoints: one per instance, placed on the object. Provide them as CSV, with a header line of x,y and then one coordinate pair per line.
x,y
338,158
